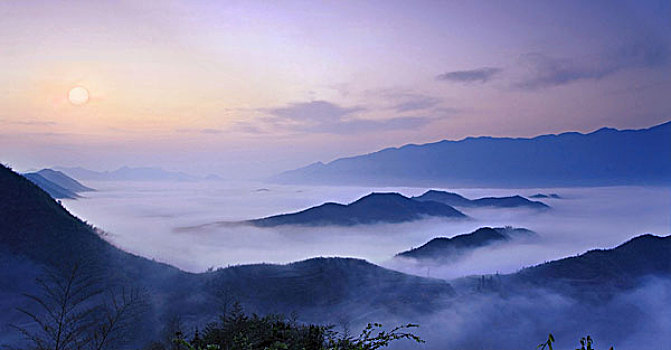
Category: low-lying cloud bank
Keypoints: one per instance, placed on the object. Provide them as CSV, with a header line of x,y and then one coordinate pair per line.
x,y
145,219
634,319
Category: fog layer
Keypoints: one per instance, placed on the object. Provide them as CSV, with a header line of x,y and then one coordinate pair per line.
x,y
147,219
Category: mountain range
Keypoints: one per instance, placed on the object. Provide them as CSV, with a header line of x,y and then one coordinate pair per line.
x,y
601,158
457,200
133,174
371,209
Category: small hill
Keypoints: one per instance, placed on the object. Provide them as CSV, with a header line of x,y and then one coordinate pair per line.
x,y
371,209
543,195
63,180
57,184
449,198
457,200
509,202
620,267
443,248
326,285
53,189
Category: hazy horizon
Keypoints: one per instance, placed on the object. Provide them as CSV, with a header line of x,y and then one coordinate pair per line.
x,y
263,176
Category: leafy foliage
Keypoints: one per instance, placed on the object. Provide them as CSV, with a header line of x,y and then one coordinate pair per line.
x,y
585,343
548,343
238,331
374,337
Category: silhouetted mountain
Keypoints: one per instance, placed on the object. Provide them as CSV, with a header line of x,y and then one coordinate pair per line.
x,y
57,184
543,195
53,189
63,180
371,209
37,231
604,157
33,225
325,286
443,248
128,174
620,267
457,200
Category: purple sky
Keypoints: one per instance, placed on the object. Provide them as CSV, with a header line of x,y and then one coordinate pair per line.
x,y
239,88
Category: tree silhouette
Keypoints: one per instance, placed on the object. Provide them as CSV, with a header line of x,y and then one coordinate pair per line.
x,y
73,311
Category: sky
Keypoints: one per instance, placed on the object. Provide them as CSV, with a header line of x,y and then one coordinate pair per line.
x,y
251,88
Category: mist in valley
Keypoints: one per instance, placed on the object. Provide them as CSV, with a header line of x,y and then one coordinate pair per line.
x,y
176,223
633,319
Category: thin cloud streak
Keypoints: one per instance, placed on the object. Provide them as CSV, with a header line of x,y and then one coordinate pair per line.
x,y
330,118
417,102
546,71
478,75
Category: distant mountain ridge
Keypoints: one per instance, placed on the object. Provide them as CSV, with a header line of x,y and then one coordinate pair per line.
x,y
127,174
604,157
134,174
444,248
456,200
370,209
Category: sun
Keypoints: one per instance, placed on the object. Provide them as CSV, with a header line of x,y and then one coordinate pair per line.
x,y
78,95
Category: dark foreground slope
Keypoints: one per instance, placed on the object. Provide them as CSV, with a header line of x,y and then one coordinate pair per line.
x,y
604,157
456,200
371,209
36,232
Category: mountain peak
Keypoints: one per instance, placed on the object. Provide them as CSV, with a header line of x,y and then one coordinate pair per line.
x,y
445,248
376,207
